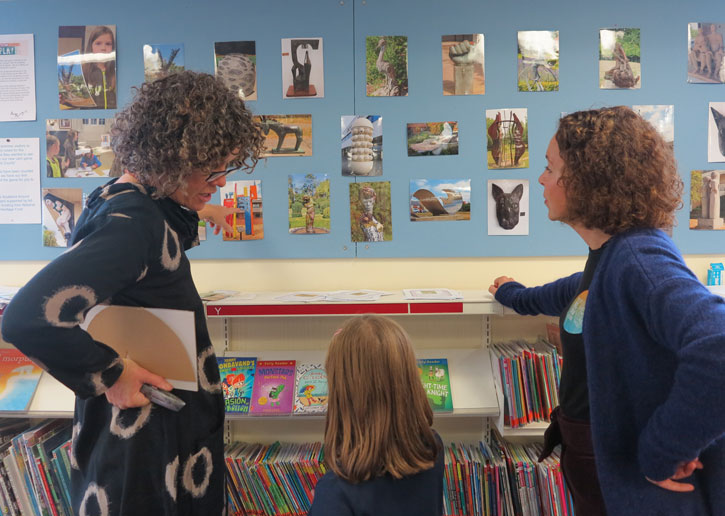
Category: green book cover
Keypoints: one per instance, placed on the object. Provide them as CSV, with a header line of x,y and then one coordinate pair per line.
x,y
437,383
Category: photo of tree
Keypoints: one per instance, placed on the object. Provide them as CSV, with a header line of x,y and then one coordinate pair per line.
x,y
162,60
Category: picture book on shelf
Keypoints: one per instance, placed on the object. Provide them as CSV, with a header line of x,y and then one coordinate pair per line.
x,y
311,389
19,377
237,375
274,384
436,382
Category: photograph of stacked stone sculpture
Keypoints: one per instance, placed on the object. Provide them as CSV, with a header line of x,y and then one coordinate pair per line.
x,y
361,145
538,60
440,199
508,206
507,138
432,138
707,202
462,57
302,68
370,212
387,66
235,63
160,60
619,59
286,135
309,204
705,53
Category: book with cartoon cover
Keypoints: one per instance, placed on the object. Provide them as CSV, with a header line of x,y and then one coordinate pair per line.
x,y
273,391
237,376
311,389
436,382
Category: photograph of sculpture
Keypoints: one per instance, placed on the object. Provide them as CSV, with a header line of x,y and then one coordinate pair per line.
x,y
463,64
61,209
161,60
538,60
662,117
79,147
619,61
370,212
440,199
361,145
716,132
508,206
302,68
387,66
286,135
432,138
87,66
705,53
707,202
235,63
247,196
507,138
309,204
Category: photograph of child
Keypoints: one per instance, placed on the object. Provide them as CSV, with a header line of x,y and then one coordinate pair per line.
x,y
85,146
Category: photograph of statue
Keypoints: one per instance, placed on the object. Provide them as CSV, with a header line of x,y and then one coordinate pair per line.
x,y
619,61
286,135
662,117
61,209
440,199
508,206
370,212
235,63
705,53
84,147
387,66
433,138
309,204
707,199
716,132
538,60
463,64
361,145
507,138
247,196
161,60
302,68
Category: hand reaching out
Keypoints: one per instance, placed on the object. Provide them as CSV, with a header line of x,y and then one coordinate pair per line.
x,y
216,215
498,282
684,470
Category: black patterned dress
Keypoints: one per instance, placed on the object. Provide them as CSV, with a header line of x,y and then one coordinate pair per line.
x,y
128,249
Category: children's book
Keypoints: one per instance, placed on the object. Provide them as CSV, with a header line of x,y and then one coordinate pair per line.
x,y
237,374
18,379
311,389
274,383
436,382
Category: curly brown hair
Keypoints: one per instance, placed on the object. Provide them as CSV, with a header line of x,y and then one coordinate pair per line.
x,y
184,123
618,171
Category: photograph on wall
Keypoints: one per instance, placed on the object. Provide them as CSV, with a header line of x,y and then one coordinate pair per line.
x,y
386,64
707,199
705,53
247,197
463,64
440,199
78,147
87,66
716,132
619,61
61,209
286,135
235,63
432,138
361,145
302,68
508,206
662,117
370,212
161,60
538,60
507,138
309,204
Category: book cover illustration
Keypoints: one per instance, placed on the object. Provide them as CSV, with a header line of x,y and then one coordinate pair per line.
x,y
18,379
311,389
237,375
273,391
436,382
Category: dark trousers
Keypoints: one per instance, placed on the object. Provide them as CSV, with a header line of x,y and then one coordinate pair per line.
x,y
577,462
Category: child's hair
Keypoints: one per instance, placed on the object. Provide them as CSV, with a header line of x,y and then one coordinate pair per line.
x,y
88,67
378,417
50,140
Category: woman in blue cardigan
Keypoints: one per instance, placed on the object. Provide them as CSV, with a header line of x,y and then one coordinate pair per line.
x,y
641,418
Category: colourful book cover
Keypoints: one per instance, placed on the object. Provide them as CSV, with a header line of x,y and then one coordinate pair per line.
x,y
18,379
311,389
237,375
436,382
274,384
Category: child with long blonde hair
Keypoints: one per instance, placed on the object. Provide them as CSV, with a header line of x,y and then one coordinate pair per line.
x,y
382,455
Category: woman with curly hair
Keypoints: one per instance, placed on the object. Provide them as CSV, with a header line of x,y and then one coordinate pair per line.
x,y
175,143
643,340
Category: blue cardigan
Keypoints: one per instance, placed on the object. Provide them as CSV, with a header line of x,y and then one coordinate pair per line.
x,y
655,354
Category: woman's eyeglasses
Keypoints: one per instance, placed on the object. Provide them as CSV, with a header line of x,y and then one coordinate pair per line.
x,y
213,176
